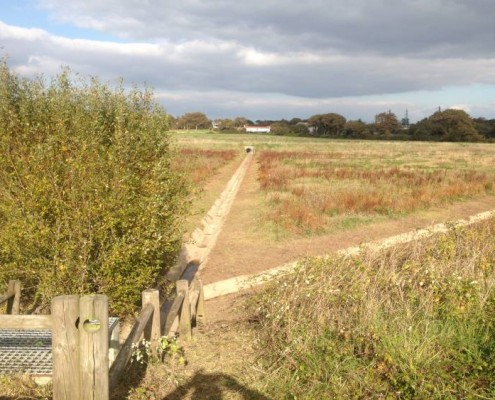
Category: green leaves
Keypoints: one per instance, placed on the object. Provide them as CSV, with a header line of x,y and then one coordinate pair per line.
x,y
88,200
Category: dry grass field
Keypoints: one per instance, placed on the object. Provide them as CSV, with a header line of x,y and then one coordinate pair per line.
x,y
311,192
199,165
308,187
418,328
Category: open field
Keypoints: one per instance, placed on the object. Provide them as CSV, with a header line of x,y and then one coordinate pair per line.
x,y
412,322
415,321
315,192
313,186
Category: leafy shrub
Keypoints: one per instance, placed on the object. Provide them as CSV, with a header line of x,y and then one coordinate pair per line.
x,y
88,201
416,321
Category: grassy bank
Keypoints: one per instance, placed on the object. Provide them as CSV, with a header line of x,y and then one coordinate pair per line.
x,y
417,321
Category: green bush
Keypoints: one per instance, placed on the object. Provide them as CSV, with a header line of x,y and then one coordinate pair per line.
x,y
414,322
88,201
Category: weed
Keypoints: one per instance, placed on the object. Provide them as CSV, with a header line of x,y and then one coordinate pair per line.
x,y
416,321
143,353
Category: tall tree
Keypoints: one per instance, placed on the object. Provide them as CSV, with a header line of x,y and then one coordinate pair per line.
x,y
225,124
193,120
455,125
485,127
386,123
356,129
330,124
239,122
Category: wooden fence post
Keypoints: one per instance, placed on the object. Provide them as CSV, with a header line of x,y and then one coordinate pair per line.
x,y
153,329
13,304
200,309
185,312
65,348
93,347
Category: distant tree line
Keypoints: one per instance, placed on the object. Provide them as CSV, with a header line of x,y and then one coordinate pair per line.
x,y
446,125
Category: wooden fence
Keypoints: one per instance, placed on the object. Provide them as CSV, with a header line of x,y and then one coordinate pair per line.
x,y
80,335
12,297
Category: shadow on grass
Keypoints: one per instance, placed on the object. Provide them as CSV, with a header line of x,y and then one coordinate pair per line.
x,y
131,378
213,387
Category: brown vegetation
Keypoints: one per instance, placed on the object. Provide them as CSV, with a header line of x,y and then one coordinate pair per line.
x,y
200,164
307,189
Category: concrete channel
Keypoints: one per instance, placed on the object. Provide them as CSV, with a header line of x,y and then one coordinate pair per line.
x,y
194,253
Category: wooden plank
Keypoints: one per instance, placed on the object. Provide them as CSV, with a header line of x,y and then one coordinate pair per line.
x,y
185,330
93,347
126,351
65,348
16,303
200,309
174,328
193,300
173,312
26,322
153,329
114,345
164,311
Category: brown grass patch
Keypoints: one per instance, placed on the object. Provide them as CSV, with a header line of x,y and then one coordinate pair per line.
x,y
201,164
318,186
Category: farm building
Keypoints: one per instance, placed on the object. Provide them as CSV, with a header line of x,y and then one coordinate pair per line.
x,y
257,129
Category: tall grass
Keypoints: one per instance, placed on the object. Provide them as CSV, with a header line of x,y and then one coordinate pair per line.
x,y
307,190
417,321
198,165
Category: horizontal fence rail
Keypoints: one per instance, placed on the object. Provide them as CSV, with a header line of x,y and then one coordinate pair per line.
x,y
26,322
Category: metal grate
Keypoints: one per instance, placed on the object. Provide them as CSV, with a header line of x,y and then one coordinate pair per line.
x,y
26,351
30,351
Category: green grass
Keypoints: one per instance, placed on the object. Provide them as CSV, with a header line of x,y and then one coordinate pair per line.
x,y
414,322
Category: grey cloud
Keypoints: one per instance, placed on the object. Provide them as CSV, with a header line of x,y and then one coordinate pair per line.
x,y
315,56
422,28
206,66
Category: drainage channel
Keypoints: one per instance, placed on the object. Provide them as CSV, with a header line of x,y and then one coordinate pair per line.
x,y
243,282
194,254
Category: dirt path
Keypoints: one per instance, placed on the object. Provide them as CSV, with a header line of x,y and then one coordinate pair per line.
x,y
241,250
223,358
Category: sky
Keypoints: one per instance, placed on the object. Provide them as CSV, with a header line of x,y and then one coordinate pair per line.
x,y
268,59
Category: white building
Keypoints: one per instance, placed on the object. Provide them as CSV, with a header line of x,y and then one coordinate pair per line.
x,y
257,129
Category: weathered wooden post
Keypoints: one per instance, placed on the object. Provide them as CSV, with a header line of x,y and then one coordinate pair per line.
x,y
93,347
65,348
185,312
198,302
153,328
13,304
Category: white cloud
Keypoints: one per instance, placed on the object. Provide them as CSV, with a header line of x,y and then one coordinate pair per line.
x,y
273,56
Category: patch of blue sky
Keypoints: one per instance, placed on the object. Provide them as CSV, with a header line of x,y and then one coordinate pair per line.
x,y
26,14
476,93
